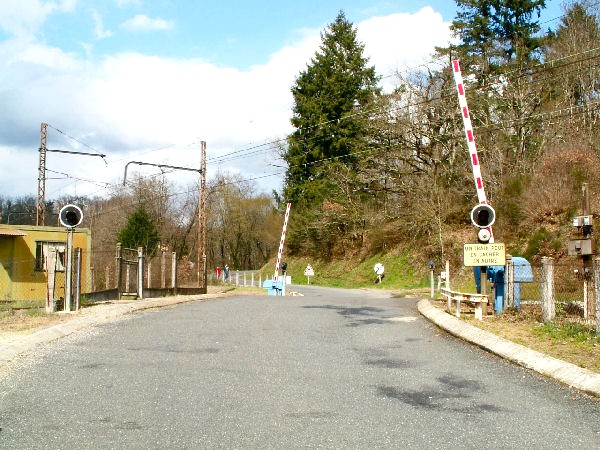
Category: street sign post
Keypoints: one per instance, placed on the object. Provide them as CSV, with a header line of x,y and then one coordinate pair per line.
x,y
309,272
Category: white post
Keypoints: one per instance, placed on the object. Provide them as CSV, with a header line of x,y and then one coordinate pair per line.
x,y
509,280
173,270
432,293
163,265
127,273
140,272
547,288
149,275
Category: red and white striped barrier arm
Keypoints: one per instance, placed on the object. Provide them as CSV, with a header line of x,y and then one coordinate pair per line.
x,y
462,100
280,252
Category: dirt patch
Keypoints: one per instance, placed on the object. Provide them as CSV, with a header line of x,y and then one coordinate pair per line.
x,y
26,319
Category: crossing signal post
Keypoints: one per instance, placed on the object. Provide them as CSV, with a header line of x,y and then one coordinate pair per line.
x,y
70,216
483,217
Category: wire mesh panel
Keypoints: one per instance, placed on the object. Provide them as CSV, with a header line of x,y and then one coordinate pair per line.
x,y
159,271
526,282
572,286
569,281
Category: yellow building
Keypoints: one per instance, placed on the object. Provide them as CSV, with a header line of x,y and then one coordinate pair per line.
x,y
23,256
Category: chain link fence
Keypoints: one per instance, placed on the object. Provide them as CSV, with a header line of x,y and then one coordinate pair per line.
x,y
566,284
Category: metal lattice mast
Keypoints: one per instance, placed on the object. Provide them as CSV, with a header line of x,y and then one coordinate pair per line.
x,y
202,220
40,213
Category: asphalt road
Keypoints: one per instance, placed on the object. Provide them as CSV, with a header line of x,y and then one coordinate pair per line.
x,y
332,369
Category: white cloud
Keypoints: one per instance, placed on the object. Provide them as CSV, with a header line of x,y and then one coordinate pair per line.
x,y
25,17
401,41
127,104
99,30
141,22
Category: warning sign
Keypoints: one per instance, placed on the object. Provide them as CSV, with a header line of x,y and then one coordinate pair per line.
x,y
484,255
309,271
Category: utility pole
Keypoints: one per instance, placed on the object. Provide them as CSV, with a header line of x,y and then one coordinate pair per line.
x,y
40,216
40,210
202,220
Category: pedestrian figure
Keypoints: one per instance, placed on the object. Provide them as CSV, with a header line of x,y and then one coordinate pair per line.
x,y
379,269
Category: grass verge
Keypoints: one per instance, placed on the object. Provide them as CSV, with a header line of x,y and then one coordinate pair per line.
x,y
566,338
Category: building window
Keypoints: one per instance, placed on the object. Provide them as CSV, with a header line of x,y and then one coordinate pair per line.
x,y
43,249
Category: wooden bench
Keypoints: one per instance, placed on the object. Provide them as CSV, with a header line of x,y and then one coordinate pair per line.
x,y
478,300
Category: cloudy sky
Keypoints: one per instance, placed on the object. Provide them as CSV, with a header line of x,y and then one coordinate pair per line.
x,y
147,80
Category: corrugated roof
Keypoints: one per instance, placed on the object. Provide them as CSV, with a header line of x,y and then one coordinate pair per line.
x,y
11,232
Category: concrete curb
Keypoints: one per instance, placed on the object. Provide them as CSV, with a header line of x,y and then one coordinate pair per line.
x,y
576,377
14,346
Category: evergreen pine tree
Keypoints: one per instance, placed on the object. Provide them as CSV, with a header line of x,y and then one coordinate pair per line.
x,y
336,82
140,231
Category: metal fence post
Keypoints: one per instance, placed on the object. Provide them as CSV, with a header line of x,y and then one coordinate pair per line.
x,y
547,288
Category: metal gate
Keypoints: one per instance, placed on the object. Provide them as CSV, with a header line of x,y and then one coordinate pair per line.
x,y
130,272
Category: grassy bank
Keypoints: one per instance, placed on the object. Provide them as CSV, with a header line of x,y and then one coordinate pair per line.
x,y
399,272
